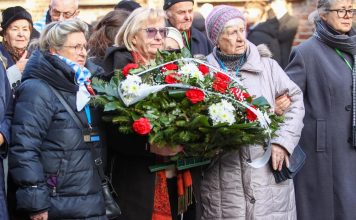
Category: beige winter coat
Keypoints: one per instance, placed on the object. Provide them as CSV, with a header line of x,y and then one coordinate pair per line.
x,y
233,190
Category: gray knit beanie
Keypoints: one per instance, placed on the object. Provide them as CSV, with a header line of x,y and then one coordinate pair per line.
x,y
218,17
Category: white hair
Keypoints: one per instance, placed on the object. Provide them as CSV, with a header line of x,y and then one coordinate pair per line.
x,y
55,34
76,2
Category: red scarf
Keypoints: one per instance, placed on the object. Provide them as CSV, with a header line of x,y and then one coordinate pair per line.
x,y
161,205
137,58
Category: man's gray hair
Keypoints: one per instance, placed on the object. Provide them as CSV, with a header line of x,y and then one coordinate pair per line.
x,y
76,2
55,34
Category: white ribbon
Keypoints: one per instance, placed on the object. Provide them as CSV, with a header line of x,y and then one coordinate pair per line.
x,y
264,122
83,97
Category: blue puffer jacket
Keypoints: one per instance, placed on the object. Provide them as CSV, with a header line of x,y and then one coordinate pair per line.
x,y
48,158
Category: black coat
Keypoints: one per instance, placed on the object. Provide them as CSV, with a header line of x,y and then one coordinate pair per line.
x,y
5,122
48,145
288,26
199,43
325,186
130,159
267,33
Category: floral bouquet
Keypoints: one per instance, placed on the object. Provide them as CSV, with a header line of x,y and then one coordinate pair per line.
x,y
185,101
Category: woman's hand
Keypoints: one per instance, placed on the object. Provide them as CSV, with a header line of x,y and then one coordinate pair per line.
x,y
166,150
282,104
41,216
1,139
279,155
22,62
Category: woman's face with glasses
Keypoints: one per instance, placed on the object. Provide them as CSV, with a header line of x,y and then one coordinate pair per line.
x,y
74,48
149,38
339,16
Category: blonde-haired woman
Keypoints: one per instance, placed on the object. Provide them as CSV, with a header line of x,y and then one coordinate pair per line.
x,y
138,41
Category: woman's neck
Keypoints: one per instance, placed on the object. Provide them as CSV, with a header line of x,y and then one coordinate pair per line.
x,y
138,58
231,62
16,53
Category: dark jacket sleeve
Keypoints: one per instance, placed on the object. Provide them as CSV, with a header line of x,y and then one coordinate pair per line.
x,y
33,113
200,43
5,110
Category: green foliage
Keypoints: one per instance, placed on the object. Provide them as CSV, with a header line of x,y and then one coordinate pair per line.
x,y
175,120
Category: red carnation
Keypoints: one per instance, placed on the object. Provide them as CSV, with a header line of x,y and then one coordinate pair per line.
x,y
221,82
128,67
250,115
172,78
222,77
170,66
247,97
204,69
220,86
195,95
142,126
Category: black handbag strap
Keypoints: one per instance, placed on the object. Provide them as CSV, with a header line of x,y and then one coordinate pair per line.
x,y
98,162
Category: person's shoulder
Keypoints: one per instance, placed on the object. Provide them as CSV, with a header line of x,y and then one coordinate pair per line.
x,y
308,46
115,56
35,86
198,34
95,70
111,51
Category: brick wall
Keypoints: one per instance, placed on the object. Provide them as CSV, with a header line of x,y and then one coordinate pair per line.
x,y
92,9
301,10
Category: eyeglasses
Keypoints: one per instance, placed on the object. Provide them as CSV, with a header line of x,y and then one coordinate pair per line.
x,y
152,32
78,48
57,14
341,13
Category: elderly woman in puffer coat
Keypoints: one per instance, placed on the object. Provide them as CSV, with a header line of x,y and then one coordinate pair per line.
x,y
50,158
231,188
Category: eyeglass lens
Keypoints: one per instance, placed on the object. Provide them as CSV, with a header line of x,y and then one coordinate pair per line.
x,y
152,32
342,12
79,48
56,13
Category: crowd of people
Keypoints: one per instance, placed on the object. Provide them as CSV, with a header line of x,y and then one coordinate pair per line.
x,y
45,76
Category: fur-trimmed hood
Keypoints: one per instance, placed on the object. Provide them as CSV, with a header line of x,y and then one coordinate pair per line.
x,y
264,51
254,55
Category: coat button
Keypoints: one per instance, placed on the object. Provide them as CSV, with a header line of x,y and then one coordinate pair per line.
x,y
348,108
253,200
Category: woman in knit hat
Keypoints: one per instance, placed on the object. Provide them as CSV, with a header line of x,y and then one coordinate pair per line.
x,y
16,27
231,188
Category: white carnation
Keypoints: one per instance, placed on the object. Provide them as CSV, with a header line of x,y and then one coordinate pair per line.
x,y
222,112
190,70
131,85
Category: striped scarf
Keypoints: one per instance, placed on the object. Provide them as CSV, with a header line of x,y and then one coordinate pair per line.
x,y
82,79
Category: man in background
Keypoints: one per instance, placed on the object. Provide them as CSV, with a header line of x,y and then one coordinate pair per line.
x,y
180,15
58,10
288,26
